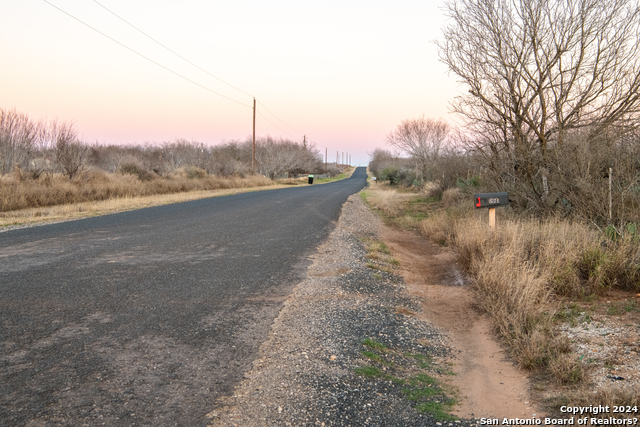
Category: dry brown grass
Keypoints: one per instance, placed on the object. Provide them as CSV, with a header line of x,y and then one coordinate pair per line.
x,y
611,396
571,258
522,272
527,268
399,206
98,193
88,209
97,186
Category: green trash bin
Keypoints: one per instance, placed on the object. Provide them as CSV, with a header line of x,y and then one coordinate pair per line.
x,y
310,179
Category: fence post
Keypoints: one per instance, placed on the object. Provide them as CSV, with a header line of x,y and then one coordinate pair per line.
x,y
492,219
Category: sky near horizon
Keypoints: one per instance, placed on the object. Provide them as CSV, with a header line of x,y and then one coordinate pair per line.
x,y
343,73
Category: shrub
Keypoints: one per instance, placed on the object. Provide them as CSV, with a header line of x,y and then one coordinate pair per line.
x,y
517,270
137,170
193,172
333,172
398,176
567,369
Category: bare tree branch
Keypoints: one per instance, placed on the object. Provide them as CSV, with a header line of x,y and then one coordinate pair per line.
x,y
421,138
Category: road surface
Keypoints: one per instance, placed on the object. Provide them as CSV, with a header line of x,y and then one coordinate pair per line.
x,y
147,317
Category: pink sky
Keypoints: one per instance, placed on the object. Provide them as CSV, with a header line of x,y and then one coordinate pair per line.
x,y
342,73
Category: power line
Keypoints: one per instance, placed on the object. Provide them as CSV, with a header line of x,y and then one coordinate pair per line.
x,y
174,72
170,50
265,107
274,125
197,66
145,57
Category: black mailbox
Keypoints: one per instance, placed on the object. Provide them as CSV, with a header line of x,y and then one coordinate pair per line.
x,y
491,200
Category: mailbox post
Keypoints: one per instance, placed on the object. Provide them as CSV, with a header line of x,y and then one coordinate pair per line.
x,y
491,201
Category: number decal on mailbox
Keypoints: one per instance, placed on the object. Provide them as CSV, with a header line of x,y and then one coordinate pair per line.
x,y
491,200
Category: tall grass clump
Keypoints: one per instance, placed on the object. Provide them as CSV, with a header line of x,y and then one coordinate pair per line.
x,y
520,271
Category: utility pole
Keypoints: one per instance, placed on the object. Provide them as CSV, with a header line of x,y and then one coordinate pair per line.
x,y
304,141
326,160
253,158
337,158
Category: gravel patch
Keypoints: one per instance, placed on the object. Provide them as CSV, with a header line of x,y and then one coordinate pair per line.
x,y
345,349
609,348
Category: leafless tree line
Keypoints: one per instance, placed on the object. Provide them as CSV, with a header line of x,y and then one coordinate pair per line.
x,y
39,147
553,95
552,103
48,147
425,141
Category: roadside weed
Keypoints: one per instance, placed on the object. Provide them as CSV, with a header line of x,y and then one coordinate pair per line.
x,y
374,344
411,370
369,371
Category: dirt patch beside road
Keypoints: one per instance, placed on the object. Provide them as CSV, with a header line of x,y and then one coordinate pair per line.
x,y
490,385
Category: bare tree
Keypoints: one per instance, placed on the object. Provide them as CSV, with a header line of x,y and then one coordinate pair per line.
x,y
538,71
69,152
539,68
423,139
229,158
17,138
182,152
380,159
277,158
42,160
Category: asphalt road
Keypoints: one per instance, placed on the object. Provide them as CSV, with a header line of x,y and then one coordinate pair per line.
x,y
147,317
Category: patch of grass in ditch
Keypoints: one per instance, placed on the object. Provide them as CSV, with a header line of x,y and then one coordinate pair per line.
x,y
383,248
376,357
396,380
374,344
380,253
431,399
374,372
417,394
612,310
375,247
369,371
630,305
423,378
437,409
415,210
424,362
420,388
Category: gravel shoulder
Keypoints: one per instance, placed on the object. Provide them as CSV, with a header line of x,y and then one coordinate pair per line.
x,y
347,348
